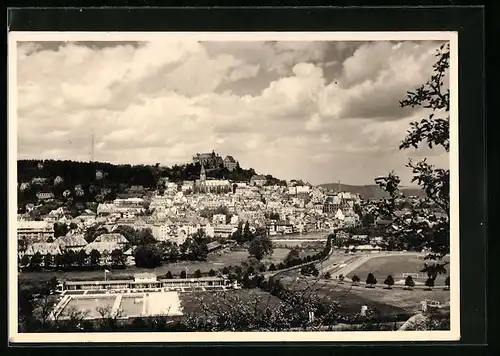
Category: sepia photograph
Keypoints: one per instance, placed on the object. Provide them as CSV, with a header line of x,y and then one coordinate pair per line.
x,y
204,187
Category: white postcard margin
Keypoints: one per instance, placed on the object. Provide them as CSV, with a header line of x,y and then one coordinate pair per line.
x,y
196,337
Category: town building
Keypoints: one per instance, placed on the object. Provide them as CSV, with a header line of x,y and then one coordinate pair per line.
x,y
34,231
229,163
258,180
151,282
72,242
224,231
211,160
45,195
43,248
205,185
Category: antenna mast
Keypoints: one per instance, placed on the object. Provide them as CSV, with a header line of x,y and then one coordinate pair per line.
x,y
92,147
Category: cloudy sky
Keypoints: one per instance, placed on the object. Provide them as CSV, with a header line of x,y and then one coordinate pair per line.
x,y
319,111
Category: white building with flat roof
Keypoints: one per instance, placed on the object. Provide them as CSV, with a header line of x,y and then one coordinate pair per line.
x,y
34,231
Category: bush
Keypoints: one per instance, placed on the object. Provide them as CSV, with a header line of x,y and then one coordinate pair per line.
x,y
371,280
169,275
225,271
327,275
429,283
183,274
341,278
211,273
197,274
389,281
355,279
148,256
272,267
409,282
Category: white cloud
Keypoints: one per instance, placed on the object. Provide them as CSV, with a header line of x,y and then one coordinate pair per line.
x,y
159,102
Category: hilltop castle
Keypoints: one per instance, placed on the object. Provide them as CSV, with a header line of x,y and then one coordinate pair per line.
x,y
213,161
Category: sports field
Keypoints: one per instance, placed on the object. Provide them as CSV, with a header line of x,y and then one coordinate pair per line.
x,y
396,266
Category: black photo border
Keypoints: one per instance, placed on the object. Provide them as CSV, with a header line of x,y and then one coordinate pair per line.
x,y
467,21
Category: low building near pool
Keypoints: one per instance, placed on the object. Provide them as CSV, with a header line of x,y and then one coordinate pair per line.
x,y
148,282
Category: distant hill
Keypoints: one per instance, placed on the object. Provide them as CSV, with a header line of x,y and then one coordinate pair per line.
x,y
370,191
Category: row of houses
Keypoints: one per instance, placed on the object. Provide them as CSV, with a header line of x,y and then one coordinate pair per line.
x,y
105,244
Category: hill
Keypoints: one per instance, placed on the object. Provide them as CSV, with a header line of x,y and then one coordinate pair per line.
x,y
370,191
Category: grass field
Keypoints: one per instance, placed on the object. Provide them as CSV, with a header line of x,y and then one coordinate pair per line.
x,y
383,266
349,303
393,301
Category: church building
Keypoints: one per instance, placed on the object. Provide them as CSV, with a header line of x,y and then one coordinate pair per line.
x,y
207,185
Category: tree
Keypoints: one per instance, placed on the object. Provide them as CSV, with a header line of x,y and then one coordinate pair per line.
x,y
409,282
60,229
93,232
25,260
423,228
272,267
247,234
70,258
292,258
261,245
52,284
197,274
146,237
327,275
211,273
429,283
315,272
147,256
95,258
371,280
225,271
199,246
117,258
304,270
262,268
355,279
389,281
238,234
131,234
36,261
169,275
183,274
48,260
447,282
81,258
341,278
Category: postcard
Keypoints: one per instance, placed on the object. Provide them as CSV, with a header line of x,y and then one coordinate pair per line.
x,y
231,187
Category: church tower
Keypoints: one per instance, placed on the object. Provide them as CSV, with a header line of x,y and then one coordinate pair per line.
x,y
203,175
